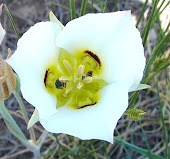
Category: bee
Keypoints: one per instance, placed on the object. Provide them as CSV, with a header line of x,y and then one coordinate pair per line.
x,y
59,84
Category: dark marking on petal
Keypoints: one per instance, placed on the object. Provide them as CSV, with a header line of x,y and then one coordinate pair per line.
x,y
94,56
87,105
45,77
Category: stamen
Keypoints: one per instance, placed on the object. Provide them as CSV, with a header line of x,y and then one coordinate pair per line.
x,y
65,79
79,85
68,66
88,79
80,70
68,90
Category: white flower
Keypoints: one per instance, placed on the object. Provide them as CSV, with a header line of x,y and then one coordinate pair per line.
x,y
79,76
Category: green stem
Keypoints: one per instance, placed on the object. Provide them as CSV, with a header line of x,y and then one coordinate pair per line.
x,y
24,113
42,138
37,154
16,131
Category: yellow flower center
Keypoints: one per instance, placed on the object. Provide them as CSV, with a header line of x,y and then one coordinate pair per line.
x,y
75,79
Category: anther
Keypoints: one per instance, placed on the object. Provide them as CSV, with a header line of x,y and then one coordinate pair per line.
x,y
79,85
68,90
64,79
90,73
68,66
59,84
80,70
88,79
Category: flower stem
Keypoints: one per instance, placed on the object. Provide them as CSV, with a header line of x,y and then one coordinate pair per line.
x,y
37,154
24,113
42,138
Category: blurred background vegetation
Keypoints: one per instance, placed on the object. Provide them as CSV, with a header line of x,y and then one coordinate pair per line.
x,y
147,138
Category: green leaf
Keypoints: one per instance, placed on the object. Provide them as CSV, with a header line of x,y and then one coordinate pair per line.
x,y
54,19
142,86
137,149
7,116
34,119
24,141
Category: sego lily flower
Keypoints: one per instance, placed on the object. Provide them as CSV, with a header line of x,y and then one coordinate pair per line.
x,y
78,76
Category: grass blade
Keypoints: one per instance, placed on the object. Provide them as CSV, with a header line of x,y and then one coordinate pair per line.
x,y
83,7
115,7
146,140
12,21
150,21
137,149
155,52
165,134
92,6
60,5
124,147
142,13
72,9
100,4
105,5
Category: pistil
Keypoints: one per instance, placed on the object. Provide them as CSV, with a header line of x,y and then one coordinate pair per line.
x,y
79,85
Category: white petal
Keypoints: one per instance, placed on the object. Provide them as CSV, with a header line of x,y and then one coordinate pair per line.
x,y
93,122
2,33
114,38
35,49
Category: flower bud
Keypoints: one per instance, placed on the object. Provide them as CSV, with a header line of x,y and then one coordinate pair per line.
x,y
7,80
